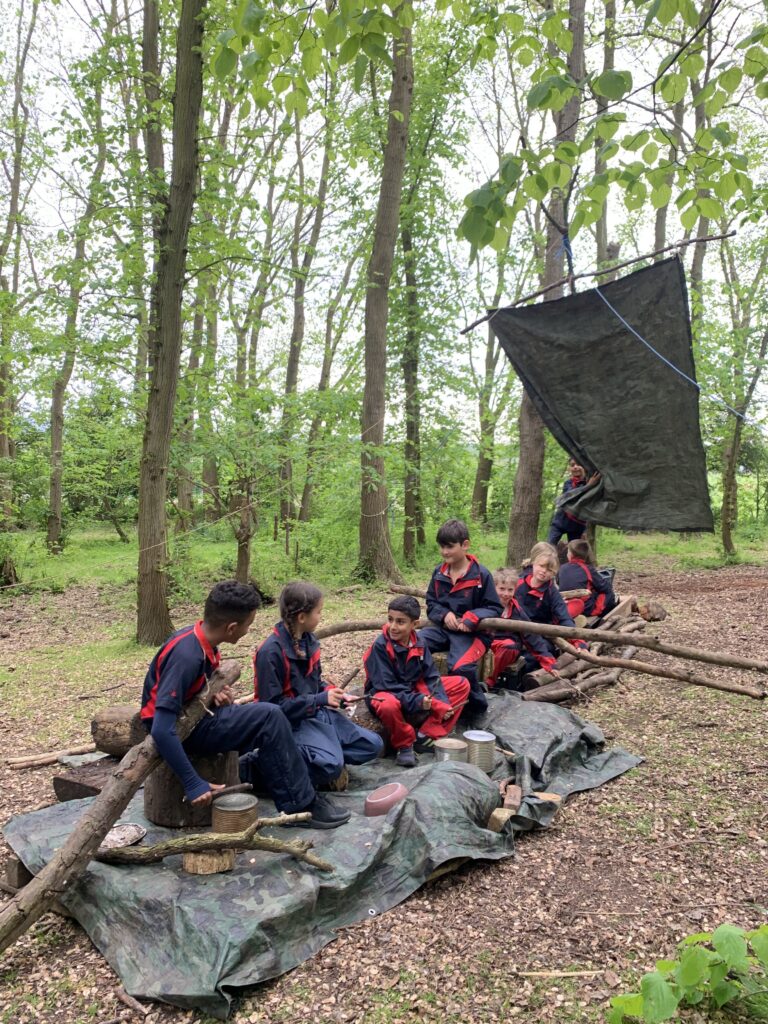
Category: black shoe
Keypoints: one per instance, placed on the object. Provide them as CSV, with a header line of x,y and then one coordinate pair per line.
x,y
325,814
405,758
424,745
476,703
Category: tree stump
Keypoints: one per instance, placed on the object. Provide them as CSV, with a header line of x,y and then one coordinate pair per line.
x,y
116,729
164,802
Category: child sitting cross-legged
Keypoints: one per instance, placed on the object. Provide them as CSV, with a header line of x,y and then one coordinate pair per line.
x,y
404,689
581,573
287,672
509,647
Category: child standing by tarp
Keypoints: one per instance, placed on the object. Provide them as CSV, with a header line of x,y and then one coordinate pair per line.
x,y
537,598
563,521
260,733
511,646
460,595
580,573
404,689
287,672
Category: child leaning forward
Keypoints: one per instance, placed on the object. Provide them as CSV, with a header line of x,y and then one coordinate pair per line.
x,y
404,689
287,672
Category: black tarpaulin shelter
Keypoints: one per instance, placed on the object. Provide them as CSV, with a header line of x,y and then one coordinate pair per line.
x,y
612,402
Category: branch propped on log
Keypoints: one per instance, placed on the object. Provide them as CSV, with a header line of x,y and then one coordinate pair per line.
x,y
615,637
398,588
685,675
69,862
206,841
51,757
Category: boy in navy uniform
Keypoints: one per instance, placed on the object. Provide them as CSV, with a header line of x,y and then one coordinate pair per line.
x,y
180,670
460,595
404,689
580,573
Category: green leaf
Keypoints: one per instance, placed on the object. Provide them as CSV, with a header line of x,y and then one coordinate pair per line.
x,y
689,217
564,40
535,186
660,196
659,1000
756,62
727,186
673,87
511,169
551,27
405,15
694,967
728,940
650,153
730,80
474,227
630,1005
612,84
689,13
334,33
500,240
608,150
311,61
281,82
361,66
539,95
758,940
296,102
224,64
525,57
568,152
636,141
725,992
349,49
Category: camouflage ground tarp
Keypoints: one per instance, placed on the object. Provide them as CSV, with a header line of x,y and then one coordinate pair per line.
x,y
194,941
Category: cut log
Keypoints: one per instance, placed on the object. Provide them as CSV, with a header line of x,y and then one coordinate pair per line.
x,y
86,780
17,875
652,611
117,728
684,675
164,802
71,859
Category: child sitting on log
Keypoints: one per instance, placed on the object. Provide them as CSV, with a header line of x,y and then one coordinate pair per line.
x,y
580,573
288,673
507,649
537,598
180,670
404,689
460,595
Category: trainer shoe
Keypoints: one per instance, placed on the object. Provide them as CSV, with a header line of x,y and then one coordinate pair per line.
x,y
325,814
406,758
424,745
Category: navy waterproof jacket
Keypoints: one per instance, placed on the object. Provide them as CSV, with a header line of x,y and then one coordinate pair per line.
x,y
579,575
471,598
292,680
390,666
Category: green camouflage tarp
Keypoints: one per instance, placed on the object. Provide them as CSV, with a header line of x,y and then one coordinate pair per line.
x,y
615,405
194,941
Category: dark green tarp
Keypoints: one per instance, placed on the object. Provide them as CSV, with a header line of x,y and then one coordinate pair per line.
x,y
612,403
194,941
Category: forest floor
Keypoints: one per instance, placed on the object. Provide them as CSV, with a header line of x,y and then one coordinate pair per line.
x,y
678,845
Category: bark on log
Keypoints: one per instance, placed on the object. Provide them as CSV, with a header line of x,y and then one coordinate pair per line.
x,y
69,862
356,627
615,637
685,675
559,691
396,588
209,841
164,802
652,611
116,729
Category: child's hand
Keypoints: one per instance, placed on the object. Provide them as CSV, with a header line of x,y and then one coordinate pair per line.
x,y
426,702
206,798
335,697
451,622
223,698
463,627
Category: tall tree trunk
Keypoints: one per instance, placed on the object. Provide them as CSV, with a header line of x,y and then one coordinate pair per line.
x,y
301,269
184,477
153,619
526,504
205,398
10,257
376,558
77,272
410,364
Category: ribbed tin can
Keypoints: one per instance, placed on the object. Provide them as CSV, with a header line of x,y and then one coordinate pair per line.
x,y
450,749
234,812
481,749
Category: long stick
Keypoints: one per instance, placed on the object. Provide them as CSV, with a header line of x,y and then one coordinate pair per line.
x,y
613,637
69,862
51,757
594,273
686,675
205,841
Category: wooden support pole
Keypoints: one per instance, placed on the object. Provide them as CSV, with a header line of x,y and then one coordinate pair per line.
x,y
685,675
71,860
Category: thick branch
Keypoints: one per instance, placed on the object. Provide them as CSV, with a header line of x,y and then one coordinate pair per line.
x,y
207,841
686,675
69,862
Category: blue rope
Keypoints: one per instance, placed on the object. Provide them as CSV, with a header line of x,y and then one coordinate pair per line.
x,y
678,371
